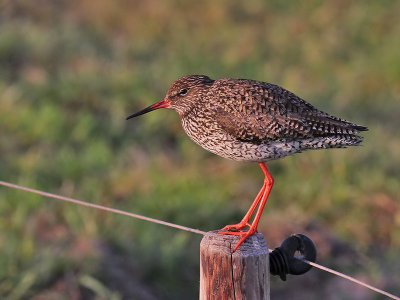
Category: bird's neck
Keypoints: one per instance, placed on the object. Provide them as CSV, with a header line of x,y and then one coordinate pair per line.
x,y
187,107
185,110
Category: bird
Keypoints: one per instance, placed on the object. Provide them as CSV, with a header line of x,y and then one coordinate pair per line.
x,y
252,121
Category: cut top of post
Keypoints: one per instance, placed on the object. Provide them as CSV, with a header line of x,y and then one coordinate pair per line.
x,y
224,274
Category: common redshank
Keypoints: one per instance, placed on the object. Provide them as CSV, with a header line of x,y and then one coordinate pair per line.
x,y
252,121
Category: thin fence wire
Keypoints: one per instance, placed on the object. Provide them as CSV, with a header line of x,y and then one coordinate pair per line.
x,y
114,210
326,269
137,216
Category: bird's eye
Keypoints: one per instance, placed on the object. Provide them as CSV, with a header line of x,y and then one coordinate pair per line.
x,y
182,92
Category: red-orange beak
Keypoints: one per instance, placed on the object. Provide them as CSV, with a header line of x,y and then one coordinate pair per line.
x,y
161,104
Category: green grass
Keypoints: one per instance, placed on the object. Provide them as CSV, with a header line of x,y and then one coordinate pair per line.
x,y
71,71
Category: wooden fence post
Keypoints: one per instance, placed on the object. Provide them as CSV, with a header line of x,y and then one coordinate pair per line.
x,y
243,274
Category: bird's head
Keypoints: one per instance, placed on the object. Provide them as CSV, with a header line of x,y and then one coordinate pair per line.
x,y
182,94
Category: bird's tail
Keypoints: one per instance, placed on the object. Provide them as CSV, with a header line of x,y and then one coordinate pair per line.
x,y
341,141
351,140
344,134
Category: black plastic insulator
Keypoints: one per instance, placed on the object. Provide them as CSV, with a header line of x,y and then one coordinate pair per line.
x,y
282,260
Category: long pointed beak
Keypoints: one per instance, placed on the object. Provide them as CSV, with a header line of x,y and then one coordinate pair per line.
x,y
160,104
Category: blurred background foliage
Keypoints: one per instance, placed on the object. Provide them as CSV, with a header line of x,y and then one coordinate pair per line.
x,y
71,71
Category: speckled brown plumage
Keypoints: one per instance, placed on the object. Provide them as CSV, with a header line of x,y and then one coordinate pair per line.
x,y
248,120
251,120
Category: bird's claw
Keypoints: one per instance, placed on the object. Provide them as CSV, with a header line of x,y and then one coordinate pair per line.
x,y
244,235
236,227
233,232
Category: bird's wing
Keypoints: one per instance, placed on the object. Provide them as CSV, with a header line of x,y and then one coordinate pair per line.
x,y
239,125
258,112
300,115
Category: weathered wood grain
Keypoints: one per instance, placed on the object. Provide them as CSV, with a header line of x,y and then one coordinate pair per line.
x,y
243,274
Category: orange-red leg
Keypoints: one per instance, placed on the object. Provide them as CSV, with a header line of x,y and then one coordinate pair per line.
x,y
246,218
260,200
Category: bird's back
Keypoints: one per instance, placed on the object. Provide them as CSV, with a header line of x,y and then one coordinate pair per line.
x,y
269,112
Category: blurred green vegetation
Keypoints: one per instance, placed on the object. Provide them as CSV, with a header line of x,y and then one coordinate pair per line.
x,y
71,71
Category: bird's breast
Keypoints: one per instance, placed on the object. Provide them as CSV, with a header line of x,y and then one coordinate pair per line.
x,y
207,133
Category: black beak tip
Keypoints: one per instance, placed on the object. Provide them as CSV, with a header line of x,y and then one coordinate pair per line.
x,y
157,105
139,113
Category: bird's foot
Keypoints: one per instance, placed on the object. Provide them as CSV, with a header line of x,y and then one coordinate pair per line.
x,y
236,227
244,235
